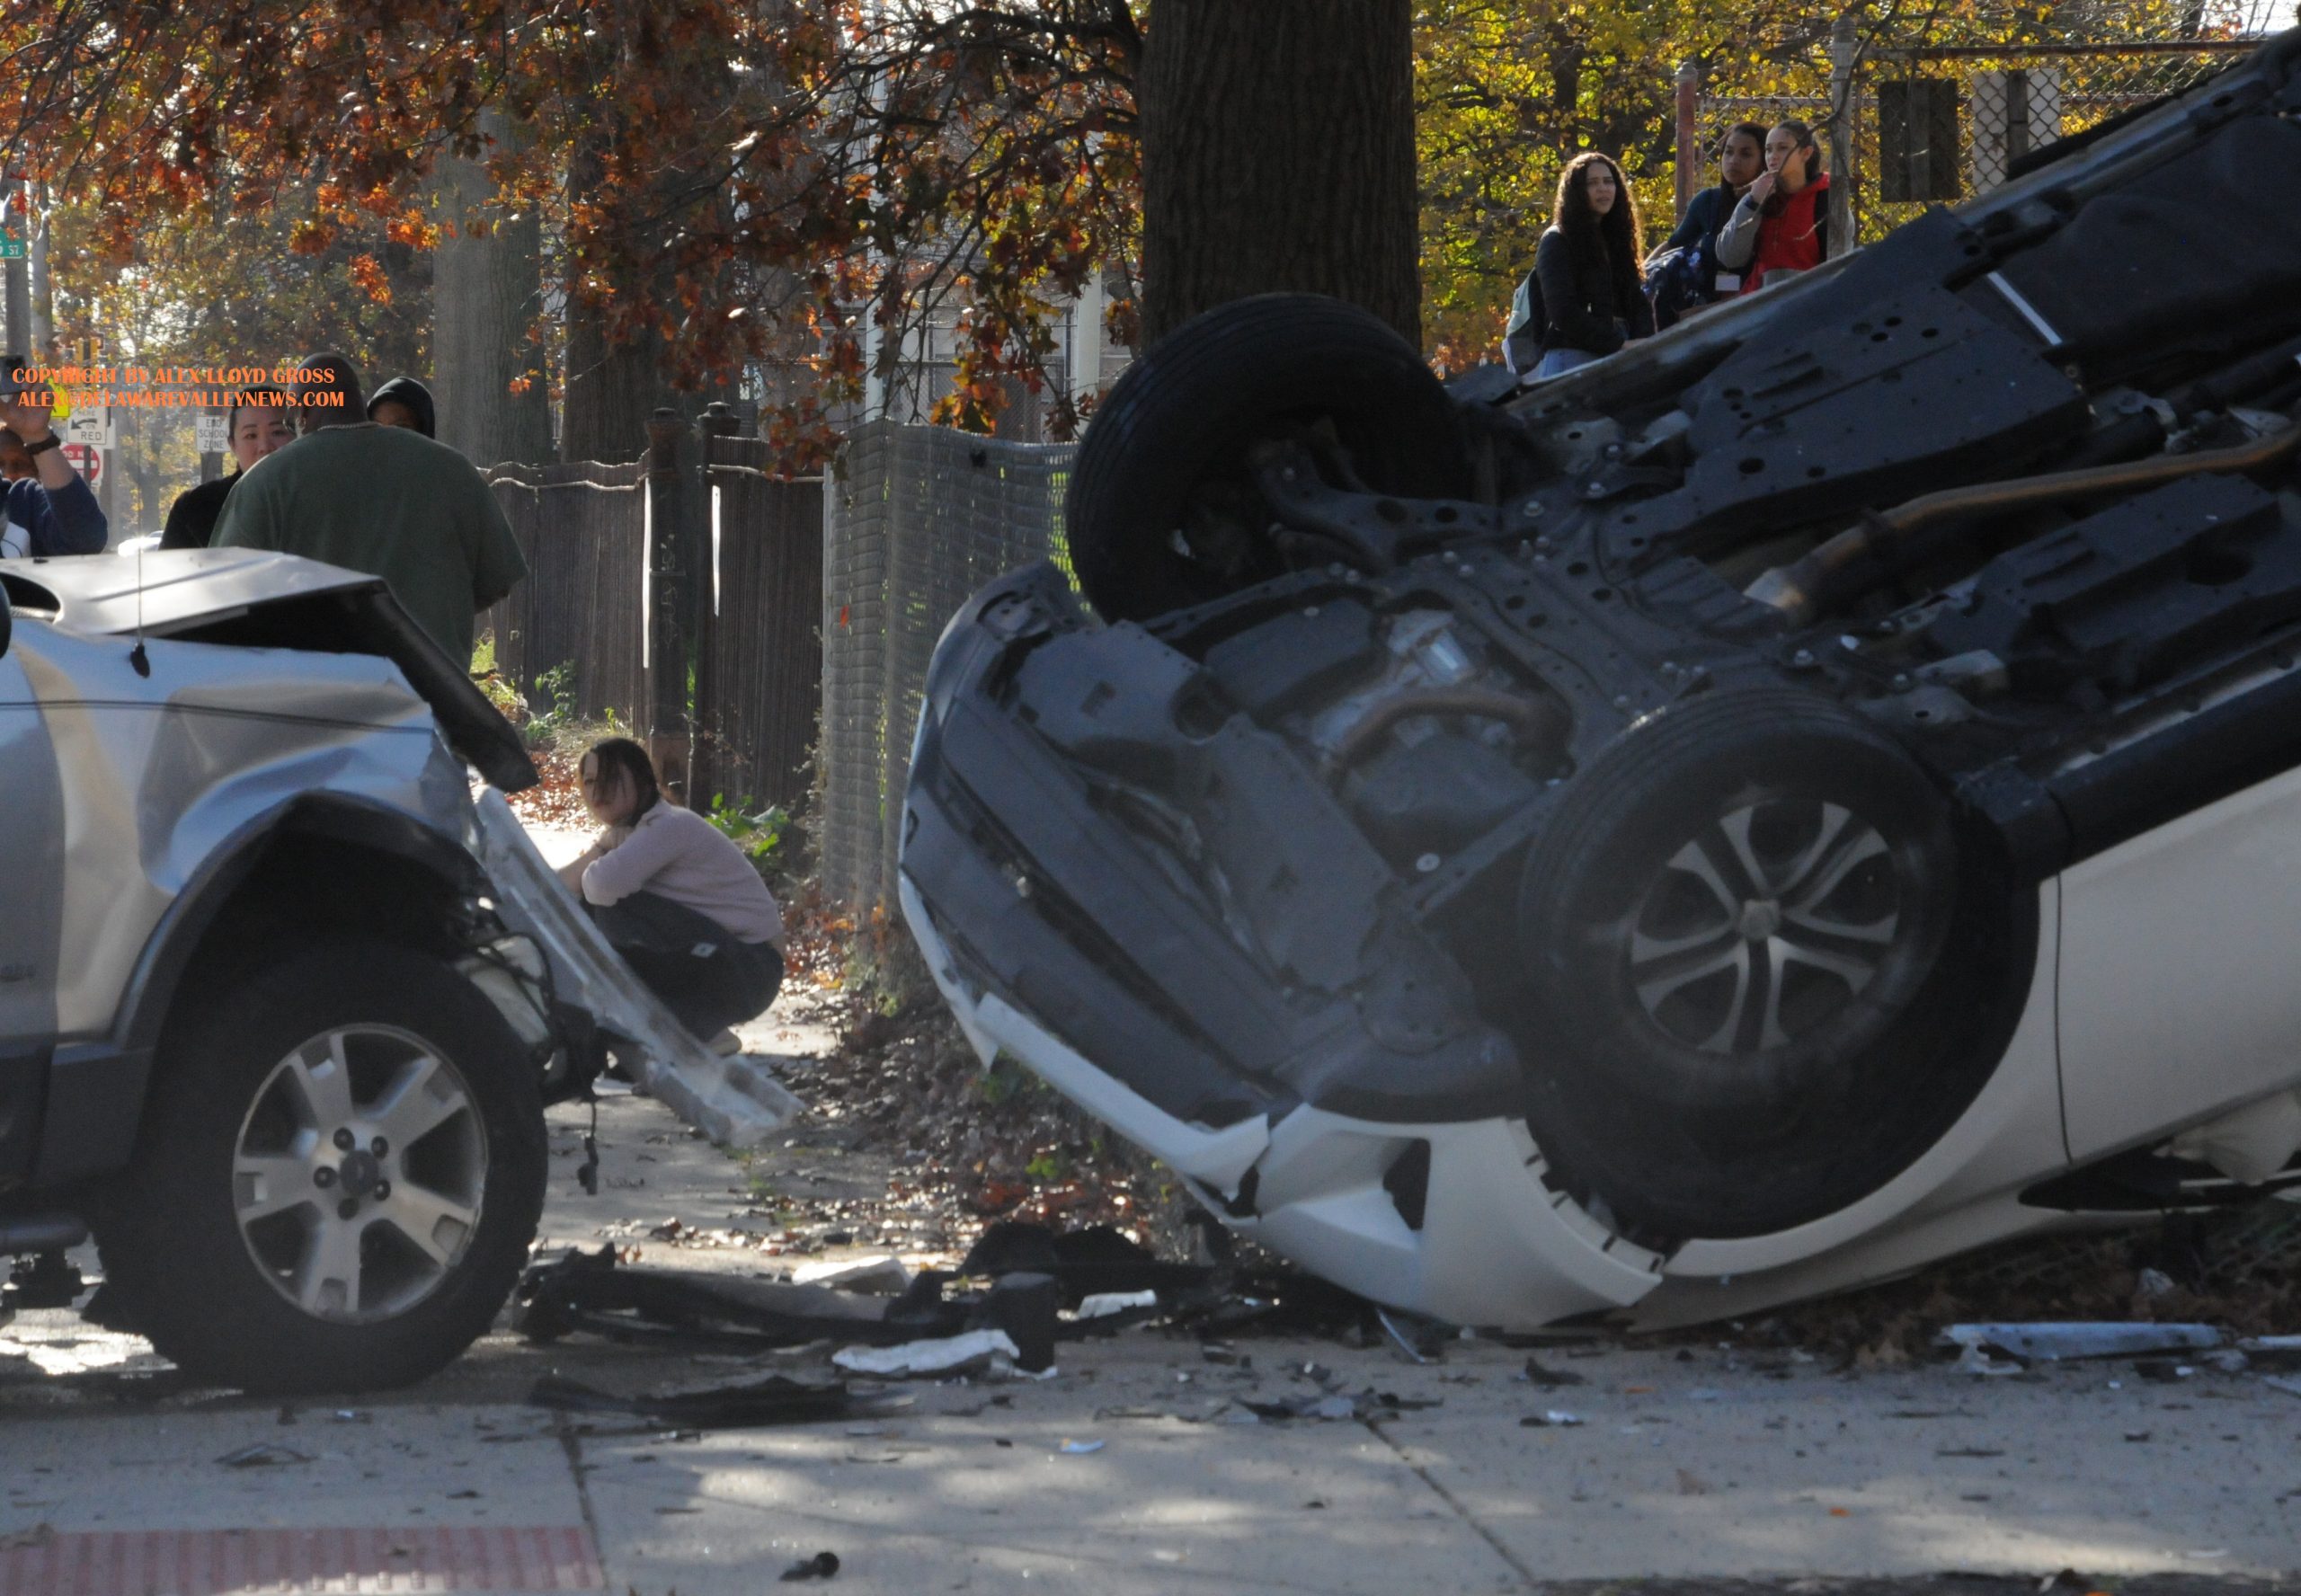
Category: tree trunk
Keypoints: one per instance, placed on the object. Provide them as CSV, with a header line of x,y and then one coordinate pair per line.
x,y
1278,154
612,389
485,292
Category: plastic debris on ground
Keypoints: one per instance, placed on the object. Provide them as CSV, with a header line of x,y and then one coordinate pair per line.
x,y
1550,1380
2053,1342
942,1358
1103,1305
822,1565
594,1292
879,1277
264,1454
1092,1262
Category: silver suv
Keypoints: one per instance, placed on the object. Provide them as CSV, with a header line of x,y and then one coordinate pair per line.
x,y
284,989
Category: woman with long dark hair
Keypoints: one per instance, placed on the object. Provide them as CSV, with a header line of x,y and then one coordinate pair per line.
x,y
1780,227
675,898
1587,265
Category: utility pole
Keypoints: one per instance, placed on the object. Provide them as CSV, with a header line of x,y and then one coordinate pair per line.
x,y
15,245
1846,53
1687,107
43,342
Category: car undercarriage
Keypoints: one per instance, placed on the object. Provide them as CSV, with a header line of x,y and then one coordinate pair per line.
x,y
1678,823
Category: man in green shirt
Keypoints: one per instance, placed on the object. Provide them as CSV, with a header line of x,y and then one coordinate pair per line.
x,y
383,500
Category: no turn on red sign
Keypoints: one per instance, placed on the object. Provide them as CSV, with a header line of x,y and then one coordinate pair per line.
x,y
87,460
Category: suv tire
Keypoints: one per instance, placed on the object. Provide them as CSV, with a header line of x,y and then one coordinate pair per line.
x,y
269,1235
1168,453
1759,961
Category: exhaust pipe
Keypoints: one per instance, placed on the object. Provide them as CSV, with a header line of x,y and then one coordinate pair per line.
x,y
1803,588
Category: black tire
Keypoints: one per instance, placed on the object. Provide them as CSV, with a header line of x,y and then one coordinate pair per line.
x,y
1166,454
1761,966
171,1236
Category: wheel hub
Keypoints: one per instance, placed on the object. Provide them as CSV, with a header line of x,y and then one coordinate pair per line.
x,y
1760,919
1763,927
359,1177
362,1173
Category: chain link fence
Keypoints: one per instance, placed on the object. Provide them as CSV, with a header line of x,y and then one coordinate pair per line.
x,y
1909,121
916,520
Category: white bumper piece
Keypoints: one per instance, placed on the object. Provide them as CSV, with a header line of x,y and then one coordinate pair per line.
x,y
1496,1246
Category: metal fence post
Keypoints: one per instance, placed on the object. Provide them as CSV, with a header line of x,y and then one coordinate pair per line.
x,y
667,732
1844,50
1689,113
706,763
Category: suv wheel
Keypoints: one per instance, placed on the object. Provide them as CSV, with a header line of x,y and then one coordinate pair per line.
x,y
1164,511
1761,966
341,1168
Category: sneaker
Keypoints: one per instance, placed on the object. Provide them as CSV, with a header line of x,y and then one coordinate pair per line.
x,y
724,1044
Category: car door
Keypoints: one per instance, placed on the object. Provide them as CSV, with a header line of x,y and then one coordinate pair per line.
x,y
31,900
2179,997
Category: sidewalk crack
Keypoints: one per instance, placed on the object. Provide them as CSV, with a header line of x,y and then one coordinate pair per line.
x,y
1510,1558
571,1445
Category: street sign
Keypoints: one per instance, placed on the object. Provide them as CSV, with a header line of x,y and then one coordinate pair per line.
x,y
91,425
15,215
211,434
87,460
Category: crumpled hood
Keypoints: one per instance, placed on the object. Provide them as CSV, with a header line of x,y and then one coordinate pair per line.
x,y
253,599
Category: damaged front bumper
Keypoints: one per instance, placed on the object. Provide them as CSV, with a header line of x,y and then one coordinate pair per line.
x,y
1249,998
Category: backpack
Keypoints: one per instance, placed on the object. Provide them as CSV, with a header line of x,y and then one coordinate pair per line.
x,y
1522,335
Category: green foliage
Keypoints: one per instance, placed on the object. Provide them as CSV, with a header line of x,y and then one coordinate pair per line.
x,y
1001,1081
498,687
555,687
757,833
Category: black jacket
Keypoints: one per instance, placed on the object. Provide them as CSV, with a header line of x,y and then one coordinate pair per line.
x,y
191,518
1578,301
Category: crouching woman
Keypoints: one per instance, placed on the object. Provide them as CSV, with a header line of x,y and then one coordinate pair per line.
x,y
675,898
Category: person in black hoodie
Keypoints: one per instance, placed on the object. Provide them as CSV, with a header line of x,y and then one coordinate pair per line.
x,y
1587,265
403,402
1683,273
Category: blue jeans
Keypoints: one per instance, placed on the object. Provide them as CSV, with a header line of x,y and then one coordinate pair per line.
x,y
1557,362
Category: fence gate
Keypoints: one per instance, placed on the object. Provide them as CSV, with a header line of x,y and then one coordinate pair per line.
x,y
915,521
758,649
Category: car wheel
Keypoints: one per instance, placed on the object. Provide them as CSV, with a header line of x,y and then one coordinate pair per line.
x,y
1748,932
339,1173
1164,511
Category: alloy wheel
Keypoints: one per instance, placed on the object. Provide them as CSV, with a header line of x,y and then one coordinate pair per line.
x,y
1764,927
358,1172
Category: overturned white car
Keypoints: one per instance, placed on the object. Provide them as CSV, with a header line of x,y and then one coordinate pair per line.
x,y
283,985
1813,793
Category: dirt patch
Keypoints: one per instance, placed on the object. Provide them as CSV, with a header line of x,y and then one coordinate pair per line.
x,y
557,800
2239,1268
965,1146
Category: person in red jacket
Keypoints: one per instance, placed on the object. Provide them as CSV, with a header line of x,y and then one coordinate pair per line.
x,y
1780,227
